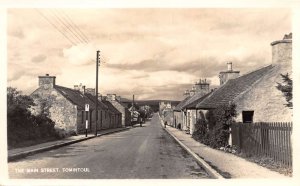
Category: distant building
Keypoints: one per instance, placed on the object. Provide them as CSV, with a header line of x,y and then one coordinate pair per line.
x,y
185,113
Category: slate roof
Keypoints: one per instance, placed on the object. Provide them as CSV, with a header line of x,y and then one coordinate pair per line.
x,y
194,100
179,107
75,96
111,107
93,98
233,88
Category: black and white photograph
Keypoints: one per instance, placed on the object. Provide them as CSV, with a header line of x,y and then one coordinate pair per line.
x,y
149,93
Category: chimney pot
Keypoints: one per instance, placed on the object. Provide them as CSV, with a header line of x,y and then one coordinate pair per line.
x,y
229,66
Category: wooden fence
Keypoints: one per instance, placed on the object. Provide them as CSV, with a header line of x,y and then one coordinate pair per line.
x,y
264,139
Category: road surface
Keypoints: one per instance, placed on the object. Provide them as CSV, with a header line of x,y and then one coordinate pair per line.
x,y
139,153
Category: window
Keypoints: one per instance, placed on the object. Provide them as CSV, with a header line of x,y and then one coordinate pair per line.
x,y
247,116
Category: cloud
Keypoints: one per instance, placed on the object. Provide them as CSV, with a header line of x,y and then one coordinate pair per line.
x,y
18,33
153,53
39,58
80,54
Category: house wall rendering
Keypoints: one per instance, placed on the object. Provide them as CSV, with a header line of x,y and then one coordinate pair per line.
x,y
60,110
267,102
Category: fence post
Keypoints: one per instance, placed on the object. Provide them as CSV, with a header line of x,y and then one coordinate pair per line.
x,y
240,136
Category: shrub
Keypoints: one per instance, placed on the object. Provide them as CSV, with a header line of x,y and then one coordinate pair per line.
x,y
22,126
214,129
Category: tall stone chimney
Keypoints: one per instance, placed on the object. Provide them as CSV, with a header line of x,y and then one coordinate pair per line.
x,y
202,86
229,66
282,50
229,74
47,81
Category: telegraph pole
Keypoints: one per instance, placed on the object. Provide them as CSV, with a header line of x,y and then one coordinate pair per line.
x,y
97,65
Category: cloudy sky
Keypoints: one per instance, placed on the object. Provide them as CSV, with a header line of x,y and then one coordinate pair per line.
x,y
152,53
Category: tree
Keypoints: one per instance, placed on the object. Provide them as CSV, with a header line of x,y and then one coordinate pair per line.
x,y
22,126
287,89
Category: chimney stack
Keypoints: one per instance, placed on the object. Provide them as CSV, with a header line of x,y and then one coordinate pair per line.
x,y
100,98
202,86
90,91
229,66
186,93
80,88
282,50
111,97
47,81
229,74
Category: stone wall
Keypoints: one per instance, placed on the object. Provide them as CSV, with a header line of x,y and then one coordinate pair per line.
x,y
106,119
59,109
125,121
267,102
281,52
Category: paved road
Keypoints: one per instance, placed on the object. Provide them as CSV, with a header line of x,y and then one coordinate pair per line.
x,y
141,152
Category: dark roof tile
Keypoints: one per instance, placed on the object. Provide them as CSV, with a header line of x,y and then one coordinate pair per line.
x,y
232,88
75,96
93,98
180,105
111,107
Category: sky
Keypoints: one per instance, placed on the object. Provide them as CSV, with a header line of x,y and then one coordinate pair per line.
x,y
152,53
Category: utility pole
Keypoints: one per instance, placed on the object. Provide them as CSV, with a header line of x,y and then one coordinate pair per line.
x,y
97,65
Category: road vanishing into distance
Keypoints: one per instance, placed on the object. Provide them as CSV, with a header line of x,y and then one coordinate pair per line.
x,y
146,152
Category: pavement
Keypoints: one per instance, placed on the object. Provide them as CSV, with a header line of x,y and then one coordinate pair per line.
x,y
225,164
146,152
18,153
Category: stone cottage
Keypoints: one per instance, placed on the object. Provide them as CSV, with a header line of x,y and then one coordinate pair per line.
x,y
66,106
186,112
108,117
116,102
63,105
114,116
255,93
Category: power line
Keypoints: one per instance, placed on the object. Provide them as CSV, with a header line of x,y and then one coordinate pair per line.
x,y
69,27
64,27
48,20
103,59
73,25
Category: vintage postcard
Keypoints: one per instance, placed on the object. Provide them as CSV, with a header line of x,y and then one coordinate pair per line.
x,y
150,93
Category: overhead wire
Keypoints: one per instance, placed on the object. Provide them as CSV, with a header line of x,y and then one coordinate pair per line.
x,y
51,23
75,26
66,23
64,27
69,26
